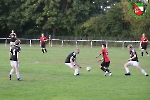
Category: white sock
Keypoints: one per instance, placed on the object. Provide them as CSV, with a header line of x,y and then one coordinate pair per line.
x,y
76,71
127,70
18,75
11,72
143,72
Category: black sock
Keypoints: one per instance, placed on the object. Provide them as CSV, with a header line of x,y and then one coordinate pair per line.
x,y
141,53
108,70
42,50
103,69
146,52
45,50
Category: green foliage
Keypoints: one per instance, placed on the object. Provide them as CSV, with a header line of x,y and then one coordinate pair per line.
x,y
90,18
137,25
110,24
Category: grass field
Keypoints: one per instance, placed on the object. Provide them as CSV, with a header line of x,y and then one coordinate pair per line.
x,y
45,76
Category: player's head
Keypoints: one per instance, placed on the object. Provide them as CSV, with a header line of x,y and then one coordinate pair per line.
x,y
12,31
42,34
17,42
143,35
103,45
77,51
130,47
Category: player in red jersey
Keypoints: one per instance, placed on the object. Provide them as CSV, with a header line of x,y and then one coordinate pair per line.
x,y
106,61
143,44
43,39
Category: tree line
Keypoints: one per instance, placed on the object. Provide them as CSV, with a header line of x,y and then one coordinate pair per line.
x,y
77,18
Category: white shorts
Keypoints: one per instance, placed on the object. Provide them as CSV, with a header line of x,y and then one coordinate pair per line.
x,y
12,43
14,64
69,64
133,63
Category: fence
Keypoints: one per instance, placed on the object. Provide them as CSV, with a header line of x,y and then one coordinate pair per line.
x,y
60,42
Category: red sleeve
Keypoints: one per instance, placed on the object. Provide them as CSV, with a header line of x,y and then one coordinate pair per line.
x,y
45,38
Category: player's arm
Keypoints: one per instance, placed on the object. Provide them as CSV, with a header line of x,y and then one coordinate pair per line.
x,y
9,54
140,43
100,60
98,55
40,41
45,39
71,61
18,57
10,35
130,59
77,64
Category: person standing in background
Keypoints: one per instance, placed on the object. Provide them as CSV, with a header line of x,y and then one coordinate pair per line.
x,y
143,44
13,38
43,40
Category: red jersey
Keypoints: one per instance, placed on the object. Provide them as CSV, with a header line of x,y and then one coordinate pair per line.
x,y
43,39
144,40
105,55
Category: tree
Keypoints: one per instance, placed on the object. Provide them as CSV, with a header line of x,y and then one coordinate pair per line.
x,y
137,25
57,14
110,24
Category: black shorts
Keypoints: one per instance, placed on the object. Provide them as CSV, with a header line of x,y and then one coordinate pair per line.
x,y
105,64
144,47
43,46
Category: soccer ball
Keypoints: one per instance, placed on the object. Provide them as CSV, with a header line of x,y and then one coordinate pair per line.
x,y
88,68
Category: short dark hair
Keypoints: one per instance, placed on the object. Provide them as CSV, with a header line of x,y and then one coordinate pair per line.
x,y
104,45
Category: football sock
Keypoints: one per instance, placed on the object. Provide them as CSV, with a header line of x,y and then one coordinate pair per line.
x,y
76,71
42,50
108,70
127,70
12,70
143,72
103,69
18,75
141,53
45,50
146,52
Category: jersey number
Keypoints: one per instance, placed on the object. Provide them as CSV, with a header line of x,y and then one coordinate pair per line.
x,y
14,52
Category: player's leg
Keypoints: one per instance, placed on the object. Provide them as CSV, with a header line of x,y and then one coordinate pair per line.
x,y
146,50
102,66
45,50
45,47
129,63
11,71
17,70
139,68
76,69
69,64
142,51
107,68
73,67
42,48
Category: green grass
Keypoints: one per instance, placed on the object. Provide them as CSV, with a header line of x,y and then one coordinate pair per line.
x,y
45,76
